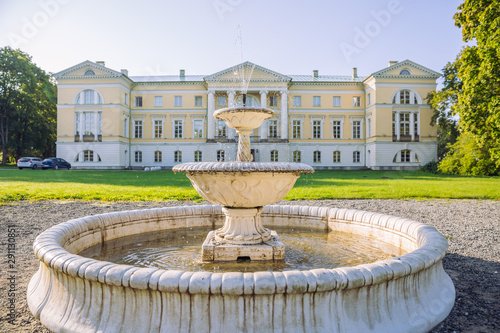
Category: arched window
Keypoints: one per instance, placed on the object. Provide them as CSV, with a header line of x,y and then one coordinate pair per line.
x,y
317,156
87,156
297,156
158,156
274,156
406,96
405,72
88,96
405,156
336,156
221,155
198,156
89,72
138,156
178,156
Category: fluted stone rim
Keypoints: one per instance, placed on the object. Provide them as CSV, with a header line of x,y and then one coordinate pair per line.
x,y
431,248
232,167
243,109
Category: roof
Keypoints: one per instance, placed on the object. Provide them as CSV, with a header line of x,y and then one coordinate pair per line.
x,y
167,78
326,78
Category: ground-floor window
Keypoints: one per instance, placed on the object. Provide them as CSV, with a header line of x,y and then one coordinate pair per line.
x,y
198,156
296,156
356,157
157,156
221,155
138,156
336,156
317,156
274,156
178,156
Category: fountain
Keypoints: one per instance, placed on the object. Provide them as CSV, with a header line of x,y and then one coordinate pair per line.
x,y
408,293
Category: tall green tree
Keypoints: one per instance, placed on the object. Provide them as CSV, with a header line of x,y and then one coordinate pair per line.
x,y
27,106
478,102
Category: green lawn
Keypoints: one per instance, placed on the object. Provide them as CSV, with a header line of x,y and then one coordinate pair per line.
x,y
111,185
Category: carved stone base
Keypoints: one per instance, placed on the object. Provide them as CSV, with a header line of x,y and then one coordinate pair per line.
x,y
242,226
213,250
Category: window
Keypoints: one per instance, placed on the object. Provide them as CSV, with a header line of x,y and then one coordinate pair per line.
x,y
336,156
369,99
157,156
198,100
138,101
369,127
138,156
356,157
88,96
77,123
336,100
316,100
198,129
138,129
126,99
125,127
337,129
415,123
158,101
221,155
177,156
178,125
272,128
316,129
198,156
404,123
178,101
221,101
297,101
405,97
158,129
405,155
296,129
356,101
404,72
296,156
88,123
221,129
273,101
88,155
274,156
317,156
356,129
89,72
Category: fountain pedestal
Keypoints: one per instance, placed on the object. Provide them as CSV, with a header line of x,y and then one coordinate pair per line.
x,y
242,237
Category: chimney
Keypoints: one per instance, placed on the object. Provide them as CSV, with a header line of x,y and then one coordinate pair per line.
x,y
392,62
100,63
315,73
354,72
124,72
183,73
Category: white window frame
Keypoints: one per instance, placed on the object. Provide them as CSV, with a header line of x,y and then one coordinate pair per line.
x,y
158,156
356,101
136,101
273,126
198,101
177,156
297,101
297,156
337,100
158,101
138,156
220,124
368,99
339,156
300,126
154,120
141,119
274,155
368,127
273,101
355,119
221,101
321,121
196,120
341,119
177,101
126,127
317,156
198,156
126,99
221,155
316,101
356,156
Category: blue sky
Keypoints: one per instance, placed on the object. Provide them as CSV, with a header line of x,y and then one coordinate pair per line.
x,y
201,36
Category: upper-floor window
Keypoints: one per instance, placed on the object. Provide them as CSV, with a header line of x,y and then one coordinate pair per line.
x,y
316,100
297,101
336,100
337,129
297,158
221,155
317,156
221,129
368,127
356,129
273,101
125,127
177,156
274,156
405,96
198,156
356,157
138,101
198,100
158,129
316,129
272,128
126,99
89,72
158,101
178,101
88,123
221,101
137,129
336,156
356,101
178,127
296,129
369,99
89,96
198,128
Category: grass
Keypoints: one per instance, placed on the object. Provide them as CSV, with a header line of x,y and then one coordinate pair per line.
x,y
110,185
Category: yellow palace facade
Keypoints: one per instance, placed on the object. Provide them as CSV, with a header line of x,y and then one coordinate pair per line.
x,y
108,119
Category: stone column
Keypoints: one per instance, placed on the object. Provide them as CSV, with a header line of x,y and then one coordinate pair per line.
x,y
230,98
210,115
263,103
284,115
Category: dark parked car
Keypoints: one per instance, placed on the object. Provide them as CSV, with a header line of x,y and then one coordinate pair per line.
x,y
29,162
55,163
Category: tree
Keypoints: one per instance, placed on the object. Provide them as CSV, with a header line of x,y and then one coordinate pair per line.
x,y
27,106
478,102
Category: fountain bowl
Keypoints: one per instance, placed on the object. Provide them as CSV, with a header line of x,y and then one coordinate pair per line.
x,y
243,118
243,184
409,293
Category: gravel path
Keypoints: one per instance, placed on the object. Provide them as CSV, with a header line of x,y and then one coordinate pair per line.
x,y
473,259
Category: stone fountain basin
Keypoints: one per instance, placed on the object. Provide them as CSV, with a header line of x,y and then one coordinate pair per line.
x,y
243,184
243,117
410,293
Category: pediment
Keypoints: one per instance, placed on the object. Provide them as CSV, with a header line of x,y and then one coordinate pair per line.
x,y
85,70
247,71
413,68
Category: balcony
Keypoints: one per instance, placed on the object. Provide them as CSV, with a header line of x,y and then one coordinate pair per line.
x,y
88,138
405,138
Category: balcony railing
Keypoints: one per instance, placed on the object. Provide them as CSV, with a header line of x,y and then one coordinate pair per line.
x,y
405,138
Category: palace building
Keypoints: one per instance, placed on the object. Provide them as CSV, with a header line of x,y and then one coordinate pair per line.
x,y
110,120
